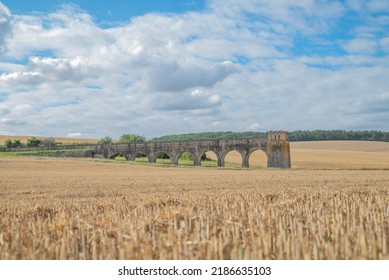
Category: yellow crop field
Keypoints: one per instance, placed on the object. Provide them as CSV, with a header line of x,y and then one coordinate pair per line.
x,y
327,155
100,209
64,140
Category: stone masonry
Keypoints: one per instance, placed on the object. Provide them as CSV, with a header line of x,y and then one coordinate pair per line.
x,y
276,147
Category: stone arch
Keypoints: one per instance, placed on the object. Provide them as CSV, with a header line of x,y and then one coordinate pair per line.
x,y
238,152
114,155
138,154
261,158
157,154
179,154
215,156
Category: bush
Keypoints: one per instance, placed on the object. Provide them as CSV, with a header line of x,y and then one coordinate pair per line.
x,y
131,138
105,140
8,143
49,142
186,156
12,144
33,142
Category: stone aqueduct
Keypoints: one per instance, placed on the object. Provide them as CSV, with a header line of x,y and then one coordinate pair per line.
x,y
276,147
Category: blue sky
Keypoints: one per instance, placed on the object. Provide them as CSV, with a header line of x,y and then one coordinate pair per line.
x,y
97,68
104,11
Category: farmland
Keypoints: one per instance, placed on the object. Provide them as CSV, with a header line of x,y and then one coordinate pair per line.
x,y
333,204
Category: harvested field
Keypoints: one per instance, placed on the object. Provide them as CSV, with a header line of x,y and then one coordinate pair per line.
x,y
327,155
85,209
64,140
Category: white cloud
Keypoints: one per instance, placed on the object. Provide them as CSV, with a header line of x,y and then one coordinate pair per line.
x,y
5,26
378,5
75,134
255,127
384,44
361,46
197,99
284,16
173,77
368,6
4,110
230,67
12,122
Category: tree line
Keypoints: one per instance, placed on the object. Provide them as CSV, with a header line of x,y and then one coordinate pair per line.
x,y
31,142
320,135
299,135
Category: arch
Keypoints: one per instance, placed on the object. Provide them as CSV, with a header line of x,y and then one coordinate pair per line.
x,y
211,159
257,158
116,155
140,157
233,159
162,158
184,158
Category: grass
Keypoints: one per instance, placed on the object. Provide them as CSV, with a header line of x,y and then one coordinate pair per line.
x,y
183,162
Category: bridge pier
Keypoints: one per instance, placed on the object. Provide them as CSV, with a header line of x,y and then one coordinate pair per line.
x,y
245,161
278,150
197,162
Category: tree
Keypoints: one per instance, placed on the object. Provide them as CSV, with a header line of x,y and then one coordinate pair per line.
x,y
105,140
8,143
131,138
49,142
12,144
17,143
33,142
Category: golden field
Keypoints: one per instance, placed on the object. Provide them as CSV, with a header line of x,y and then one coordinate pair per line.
x,y
328,206
64,140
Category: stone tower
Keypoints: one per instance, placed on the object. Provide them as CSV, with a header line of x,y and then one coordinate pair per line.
x,y
278,149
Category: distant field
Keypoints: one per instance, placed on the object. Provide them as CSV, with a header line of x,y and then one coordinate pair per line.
x,y
327,155
64,140
340,154
360,146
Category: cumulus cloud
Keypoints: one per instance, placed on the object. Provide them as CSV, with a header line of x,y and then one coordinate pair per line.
x,y
5,25
198,99
174,77
361,46
232,67
384,44
255,126
74,134
284,16
11,122
51,70
377,105
4,110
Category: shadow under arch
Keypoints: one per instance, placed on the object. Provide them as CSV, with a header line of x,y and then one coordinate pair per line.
x,y
208,158
140,157
118,156
162,158
184,158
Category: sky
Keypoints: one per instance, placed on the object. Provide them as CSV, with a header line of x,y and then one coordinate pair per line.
x,y
158,67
